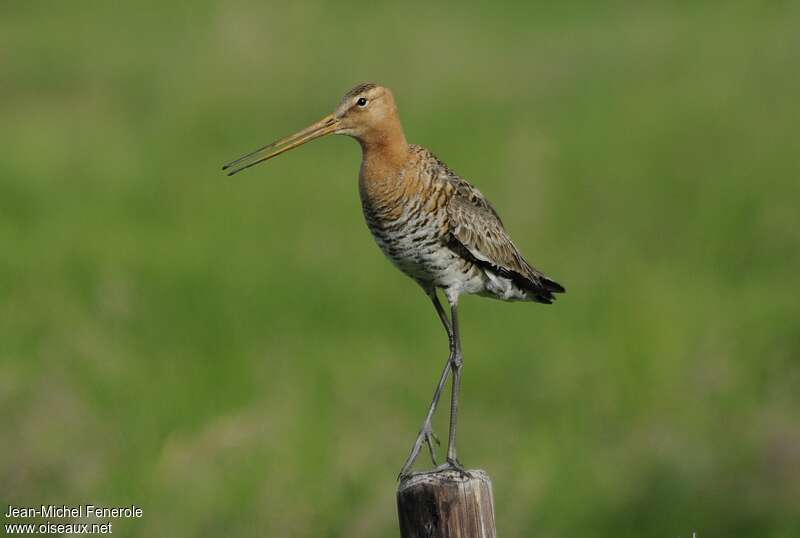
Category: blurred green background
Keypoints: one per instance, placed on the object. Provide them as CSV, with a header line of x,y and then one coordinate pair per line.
x,y
237,357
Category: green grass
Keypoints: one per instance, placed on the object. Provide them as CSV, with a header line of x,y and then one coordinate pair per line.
x,y
236,356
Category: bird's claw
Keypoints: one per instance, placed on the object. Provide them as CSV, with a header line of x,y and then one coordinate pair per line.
x,y
453,464
426,436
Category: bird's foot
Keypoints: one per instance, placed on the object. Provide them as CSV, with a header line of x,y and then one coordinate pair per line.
x,y
427,437
452,464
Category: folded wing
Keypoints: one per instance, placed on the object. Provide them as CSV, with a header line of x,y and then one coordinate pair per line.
x,y
478,234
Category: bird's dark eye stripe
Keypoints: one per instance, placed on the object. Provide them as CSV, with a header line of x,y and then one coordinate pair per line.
x,y
362,101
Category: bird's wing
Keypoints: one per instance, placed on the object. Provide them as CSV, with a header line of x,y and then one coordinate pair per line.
x,y
466,192
477,230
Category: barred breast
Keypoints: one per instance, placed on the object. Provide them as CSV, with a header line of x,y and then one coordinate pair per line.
x,y
407,217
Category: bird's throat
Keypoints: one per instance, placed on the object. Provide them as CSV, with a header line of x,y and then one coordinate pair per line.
x,y
384,154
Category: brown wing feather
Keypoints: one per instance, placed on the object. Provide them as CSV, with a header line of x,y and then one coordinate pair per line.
x,y
477,233
477,229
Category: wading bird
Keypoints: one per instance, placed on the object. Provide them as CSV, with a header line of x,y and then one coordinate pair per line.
x,y
433,225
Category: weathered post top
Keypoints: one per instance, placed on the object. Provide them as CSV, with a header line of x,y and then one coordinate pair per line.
x,y
446,504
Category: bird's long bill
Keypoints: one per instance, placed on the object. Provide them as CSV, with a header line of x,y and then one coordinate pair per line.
x,y
325,126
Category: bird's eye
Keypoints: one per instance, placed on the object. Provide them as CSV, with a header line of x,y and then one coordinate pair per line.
x,y
362,102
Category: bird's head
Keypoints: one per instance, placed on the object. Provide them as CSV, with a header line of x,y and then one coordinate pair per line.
x,y
366,112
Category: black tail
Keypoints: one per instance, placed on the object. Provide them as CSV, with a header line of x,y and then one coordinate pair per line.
x,y
543,288
552,285
539,286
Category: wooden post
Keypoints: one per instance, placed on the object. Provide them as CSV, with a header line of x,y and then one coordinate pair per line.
x,y
446,504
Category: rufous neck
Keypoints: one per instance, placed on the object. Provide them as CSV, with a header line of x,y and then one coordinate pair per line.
x,y
384,150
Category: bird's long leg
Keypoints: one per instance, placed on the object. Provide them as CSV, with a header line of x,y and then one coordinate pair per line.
x,y
457,362
426,434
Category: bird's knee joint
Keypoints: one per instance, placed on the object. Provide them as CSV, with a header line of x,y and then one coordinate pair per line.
x,y
457,361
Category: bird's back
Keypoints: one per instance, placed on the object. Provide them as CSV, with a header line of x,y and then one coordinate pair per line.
x,y
440,230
